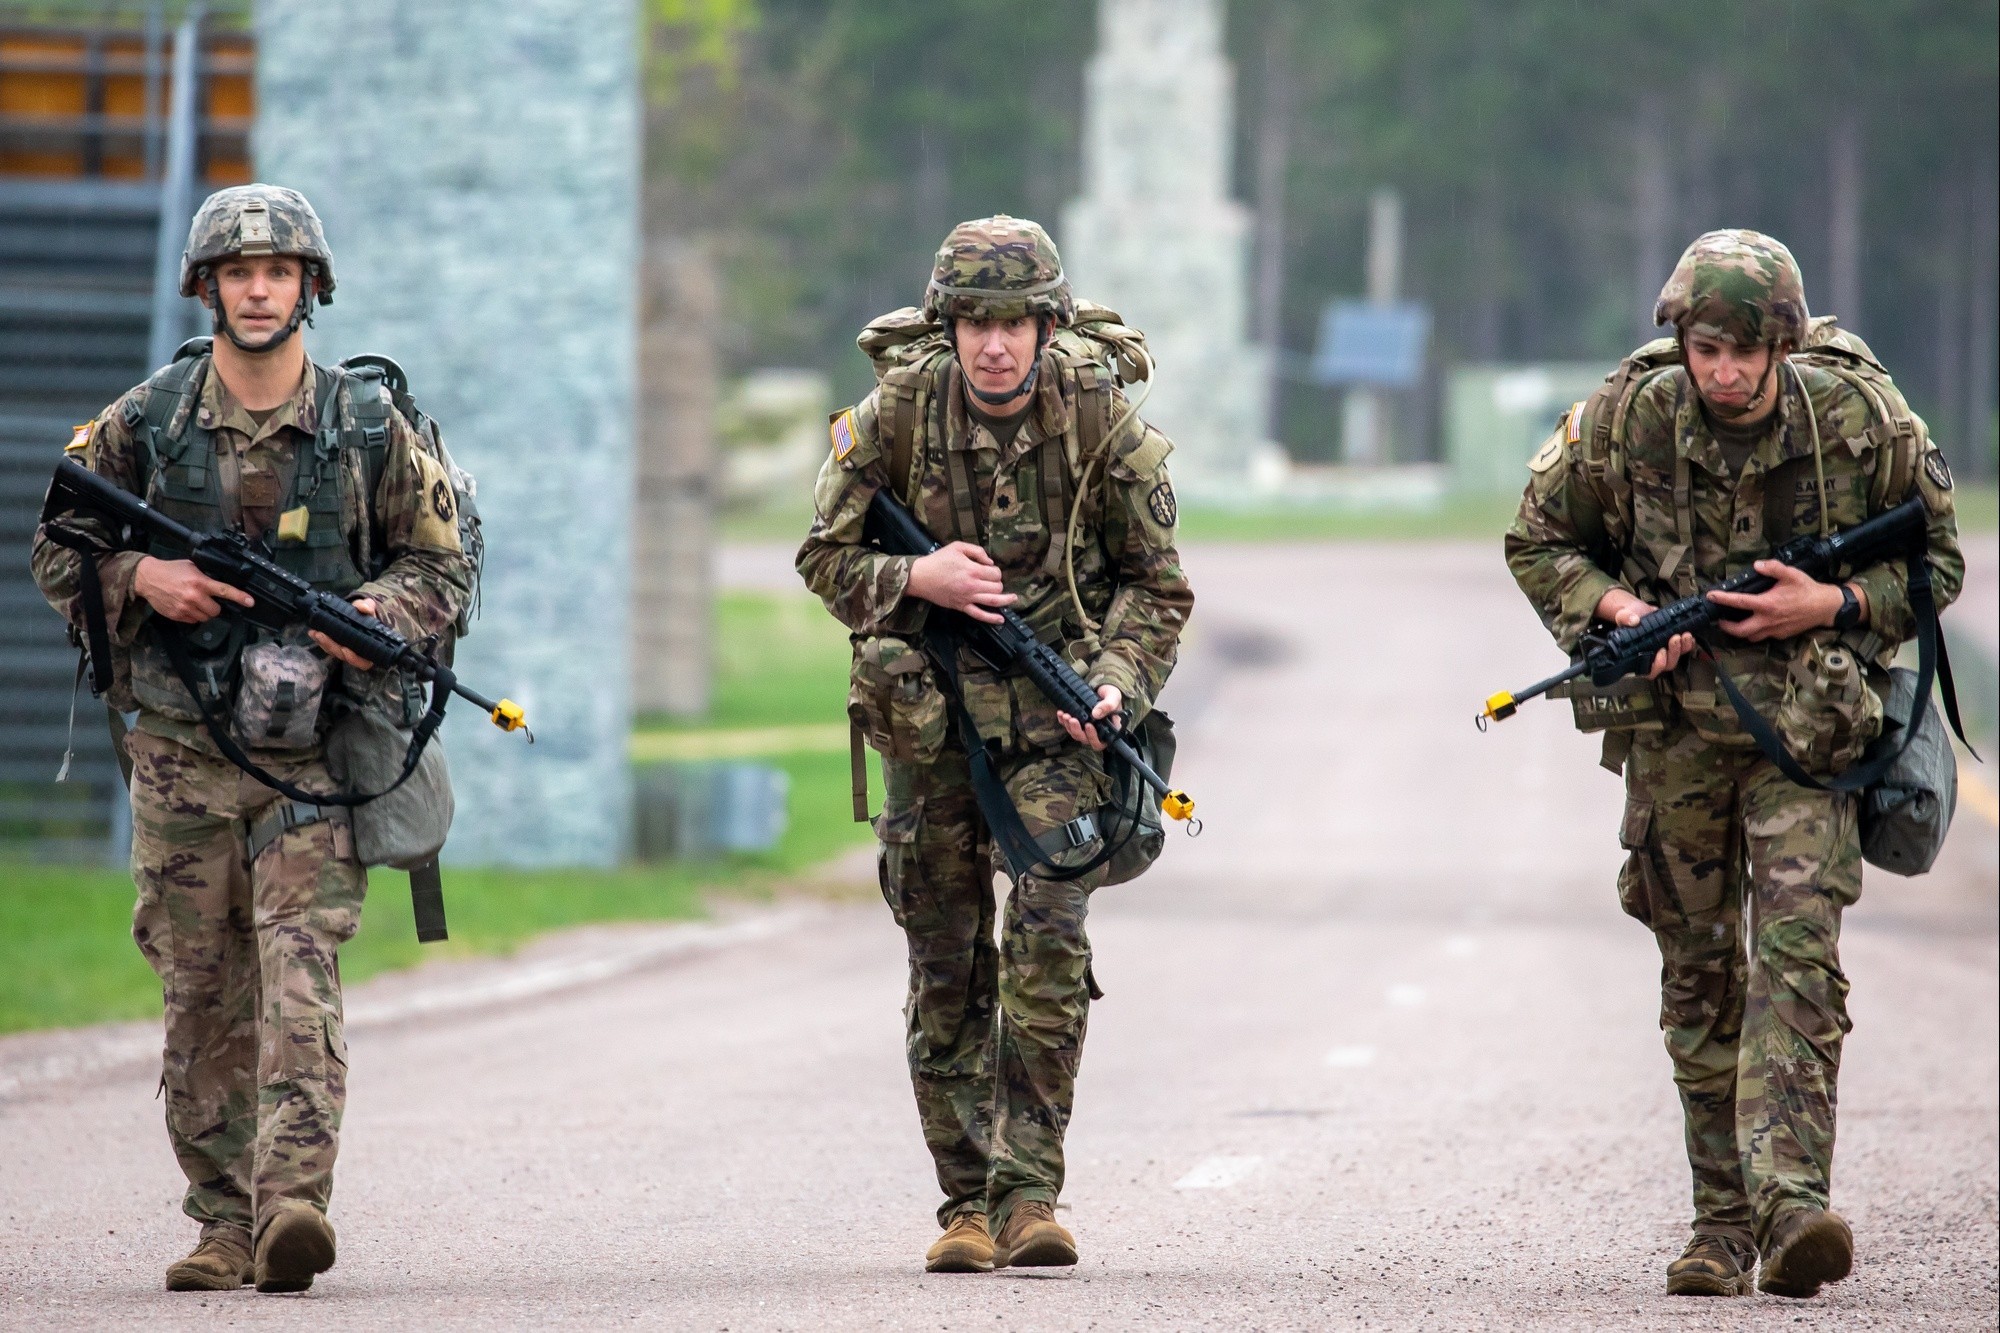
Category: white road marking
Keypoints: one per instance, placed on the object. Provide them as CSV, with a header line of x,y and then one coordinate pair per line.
x,y
1461,946
1217,1173
1406,995
1351,1057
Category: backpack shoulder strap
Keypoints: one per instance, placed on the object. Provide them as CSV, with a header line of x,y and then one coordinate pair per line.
x,y
903,401
159,417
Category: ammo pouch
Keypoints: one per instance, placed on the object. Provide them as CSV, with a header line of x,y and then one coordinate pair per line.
x,y
1907,812
406,827
893,701
278,695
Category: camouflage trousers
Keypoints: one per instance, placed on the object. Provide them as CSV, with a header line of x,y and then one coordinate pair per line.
x,y
255,1069
1742,876
995,1031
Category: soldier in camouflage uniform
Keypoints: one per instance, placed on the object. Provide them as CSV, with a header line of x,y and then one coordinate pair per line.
x,y
1012,458
245,897
1701,455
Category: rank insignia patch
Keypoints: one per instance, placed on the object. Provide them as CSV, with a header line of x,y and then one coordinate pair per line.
x,y
1161,503
1938,470
843,435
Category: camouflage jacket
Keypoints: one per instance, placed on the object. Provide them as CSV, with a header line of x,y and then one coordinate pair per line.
x,y
1601,511
422,586
1128,572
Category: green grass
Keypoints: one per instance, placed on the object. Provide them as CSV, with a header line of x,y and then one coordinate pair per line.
x,y
66,951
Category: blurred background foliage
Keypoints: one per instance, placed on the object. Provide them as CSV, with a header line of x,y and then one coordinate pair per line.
x,y
1554,157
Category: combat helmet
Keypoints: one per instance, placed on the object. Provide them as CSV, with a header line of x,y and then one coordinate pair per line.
x,y
998,268
1743,286
257,220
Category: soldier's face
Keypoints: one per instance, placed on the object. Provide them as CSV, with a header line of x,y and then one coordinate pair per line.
x,y
259,292
1730,377
997,355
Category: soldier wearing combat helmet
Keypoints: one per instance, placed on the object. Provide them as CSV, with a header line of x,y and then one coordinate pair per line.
x,y
1701,454
1013,447
245,896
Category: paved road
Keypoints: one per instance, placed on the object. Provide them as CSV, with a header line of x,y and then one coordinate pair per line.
x,y
1378,1052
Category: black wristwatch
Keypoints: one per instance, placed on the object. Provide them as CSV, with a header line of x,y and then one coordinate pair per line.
x,y
1849,614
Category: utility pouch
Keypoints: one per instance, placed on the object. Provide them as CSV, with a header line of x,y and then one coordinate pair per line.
x,y
278,697
1829,714
404,828
1135,856
892,698
1906,813
1632,703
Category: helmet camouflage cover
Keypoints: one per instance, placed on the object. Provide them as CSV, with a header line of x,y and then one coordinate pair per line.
x,y
998,268
256,220
1742,286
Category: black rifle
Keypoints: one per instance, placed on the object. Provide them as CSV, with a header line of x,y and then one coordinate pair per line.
x,y
1011,646
1608,655
280,599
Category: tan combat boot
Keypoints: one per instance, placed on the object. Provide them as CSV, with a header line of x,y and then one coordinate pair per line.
x,y
1808,1248
1033,1238
1712,1266
220,1263
294,1247
965,1247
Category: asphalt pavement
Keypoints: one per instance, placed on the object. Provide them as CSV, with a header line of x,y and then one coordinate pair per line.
x,y
1378,1050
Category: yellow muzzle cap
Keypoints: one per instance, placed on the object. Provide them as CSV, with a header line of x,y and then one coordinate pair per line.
x,y
508,716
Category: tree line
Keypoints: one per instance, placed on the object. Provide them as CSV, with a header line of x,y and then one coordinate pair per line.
x,y
1553,156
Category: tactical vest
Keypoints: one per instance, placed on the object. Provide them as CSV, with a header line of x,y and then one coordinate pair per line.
x,y
1796,496
179,474
914,364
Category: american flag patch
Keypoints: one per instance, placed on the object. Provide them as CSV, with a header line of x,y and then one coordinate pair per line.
x,y
79,438
1576,423
843,435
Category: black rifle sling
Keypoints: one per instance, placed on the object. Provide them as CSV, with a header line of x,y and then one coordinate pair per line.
x,y
218,731
1023,853
1933,663
97,634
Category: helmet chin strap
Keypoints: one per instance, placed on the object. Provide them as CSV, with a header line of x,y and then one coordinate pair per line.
x,y
1027,384
301,313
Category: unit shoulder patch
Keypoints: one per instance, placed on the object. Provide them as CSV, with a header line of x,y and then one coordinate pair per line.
x,y
441,500
1548,455
1161,504
1937,469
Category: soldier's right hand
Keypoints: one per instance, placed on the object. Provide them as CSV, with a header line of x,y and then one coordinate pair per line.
x,y
962,577
1623,609
180,592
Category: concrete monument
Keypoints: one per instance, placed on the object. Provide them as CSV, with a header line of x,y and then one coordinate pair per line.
x,y
477,168
1156,237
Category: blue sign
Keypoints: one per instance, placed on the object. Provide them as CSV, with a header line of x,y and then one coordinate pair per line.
x,y
1377,345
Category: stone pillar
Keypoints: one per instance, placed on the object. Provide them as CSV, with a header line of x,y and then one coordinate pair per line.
x,y
673,539
1156,237
477,169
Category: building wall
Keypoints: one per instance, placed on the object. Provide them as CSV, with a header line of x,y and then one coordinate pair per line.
x,y
477,169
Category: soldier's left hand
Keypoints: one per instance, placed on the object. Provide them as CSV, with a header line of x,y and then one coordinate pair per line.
x,y
1109,701
1797,604
366,606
